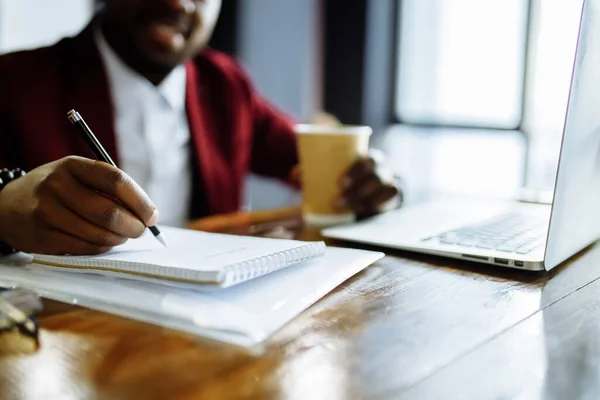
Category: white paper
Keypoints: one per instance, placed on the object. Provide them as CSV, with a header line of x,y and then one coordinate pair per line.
x,y
245,314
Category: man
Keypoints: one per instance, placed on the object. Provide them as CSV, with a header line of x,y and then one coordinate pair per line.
x,y
179,119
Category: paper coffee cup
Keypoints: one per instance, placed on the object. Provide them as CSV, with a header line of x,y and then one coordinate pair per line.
x,y
326,153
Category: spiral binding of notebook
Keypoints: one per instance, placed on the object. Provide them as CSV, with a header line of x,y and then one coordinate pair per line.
x,y
265,265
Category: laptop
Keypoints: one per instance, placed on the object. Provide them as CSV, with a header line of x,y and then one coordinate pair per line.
x,y
510,233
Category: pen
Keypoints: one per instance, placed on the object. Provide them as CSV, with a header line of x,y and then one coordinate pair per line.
x,y
102,155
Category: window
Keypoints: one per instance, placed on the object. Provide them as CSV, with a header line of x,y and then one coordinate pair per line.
x,y
462,62
503,64
552,44
553,41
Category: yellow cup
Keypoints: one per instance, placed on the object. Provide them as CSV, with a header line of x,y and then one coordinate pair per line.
x,y
326,153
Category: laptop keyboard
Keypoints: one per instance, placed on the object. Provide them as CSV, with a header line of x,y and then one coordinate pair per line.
x,y
511,233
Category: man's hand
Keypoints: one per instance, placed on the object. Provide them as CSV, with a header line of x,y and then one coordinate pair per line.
x,y
73,206
369,187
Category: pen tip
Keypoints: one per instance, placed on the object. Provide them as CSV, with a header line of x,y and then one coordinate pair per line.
x,y
162,240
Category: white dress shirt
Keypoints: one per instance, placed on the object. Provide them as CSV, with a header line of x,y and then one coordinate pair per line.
x,y
152,134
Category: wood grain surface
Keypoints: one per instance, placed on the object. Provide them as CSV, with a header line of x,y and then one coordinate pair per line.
x,y
407,327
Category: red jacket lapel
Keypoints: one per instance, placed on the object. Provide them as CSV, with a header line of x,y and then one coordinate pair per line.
x,y
211,164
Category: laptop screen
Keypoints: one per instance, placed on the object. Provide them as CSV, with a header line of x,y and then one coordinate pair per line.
x,y
575,220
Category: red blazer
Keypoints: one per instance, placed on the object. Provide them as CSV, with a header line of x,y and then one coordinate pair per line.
x,y
233,129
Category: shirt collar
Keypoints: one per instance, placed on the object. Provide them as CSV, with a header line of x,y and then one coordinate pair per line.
x,y
132,87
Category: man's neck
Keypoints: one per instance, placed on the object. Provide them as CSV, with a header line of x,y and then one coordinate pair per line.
x,y
153,73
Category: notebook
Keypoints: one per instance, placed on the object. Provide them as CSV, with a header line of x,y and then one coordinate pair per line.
x,y
246,314
193,257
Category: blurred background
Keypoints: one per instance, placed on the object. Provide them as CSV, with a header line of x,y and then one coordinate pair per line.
x,y
465,96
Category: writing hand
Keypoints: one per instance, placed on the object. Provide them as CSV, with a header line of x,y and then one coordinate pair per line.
x,y
73,206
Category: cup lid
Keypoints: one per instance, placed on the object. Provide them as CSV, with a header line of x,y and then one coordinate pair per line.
x,y
333,130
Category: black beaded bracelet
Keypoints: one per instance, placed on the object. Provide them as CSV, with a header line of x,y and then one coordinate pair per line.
x,y
7,176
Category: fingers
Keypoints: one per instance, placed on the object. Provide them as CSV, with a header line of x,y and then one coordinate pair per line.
x,y
66,221
113,182
362,190
97,209
365,187
368,195
357,172
56,242
377,202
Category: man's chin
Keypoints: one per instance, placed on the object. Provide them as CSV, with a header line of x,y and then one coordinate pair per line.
x,y
162,60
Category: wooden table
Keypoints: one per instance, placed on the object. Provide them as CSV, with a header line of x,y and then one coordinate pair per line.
x,y
407,327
